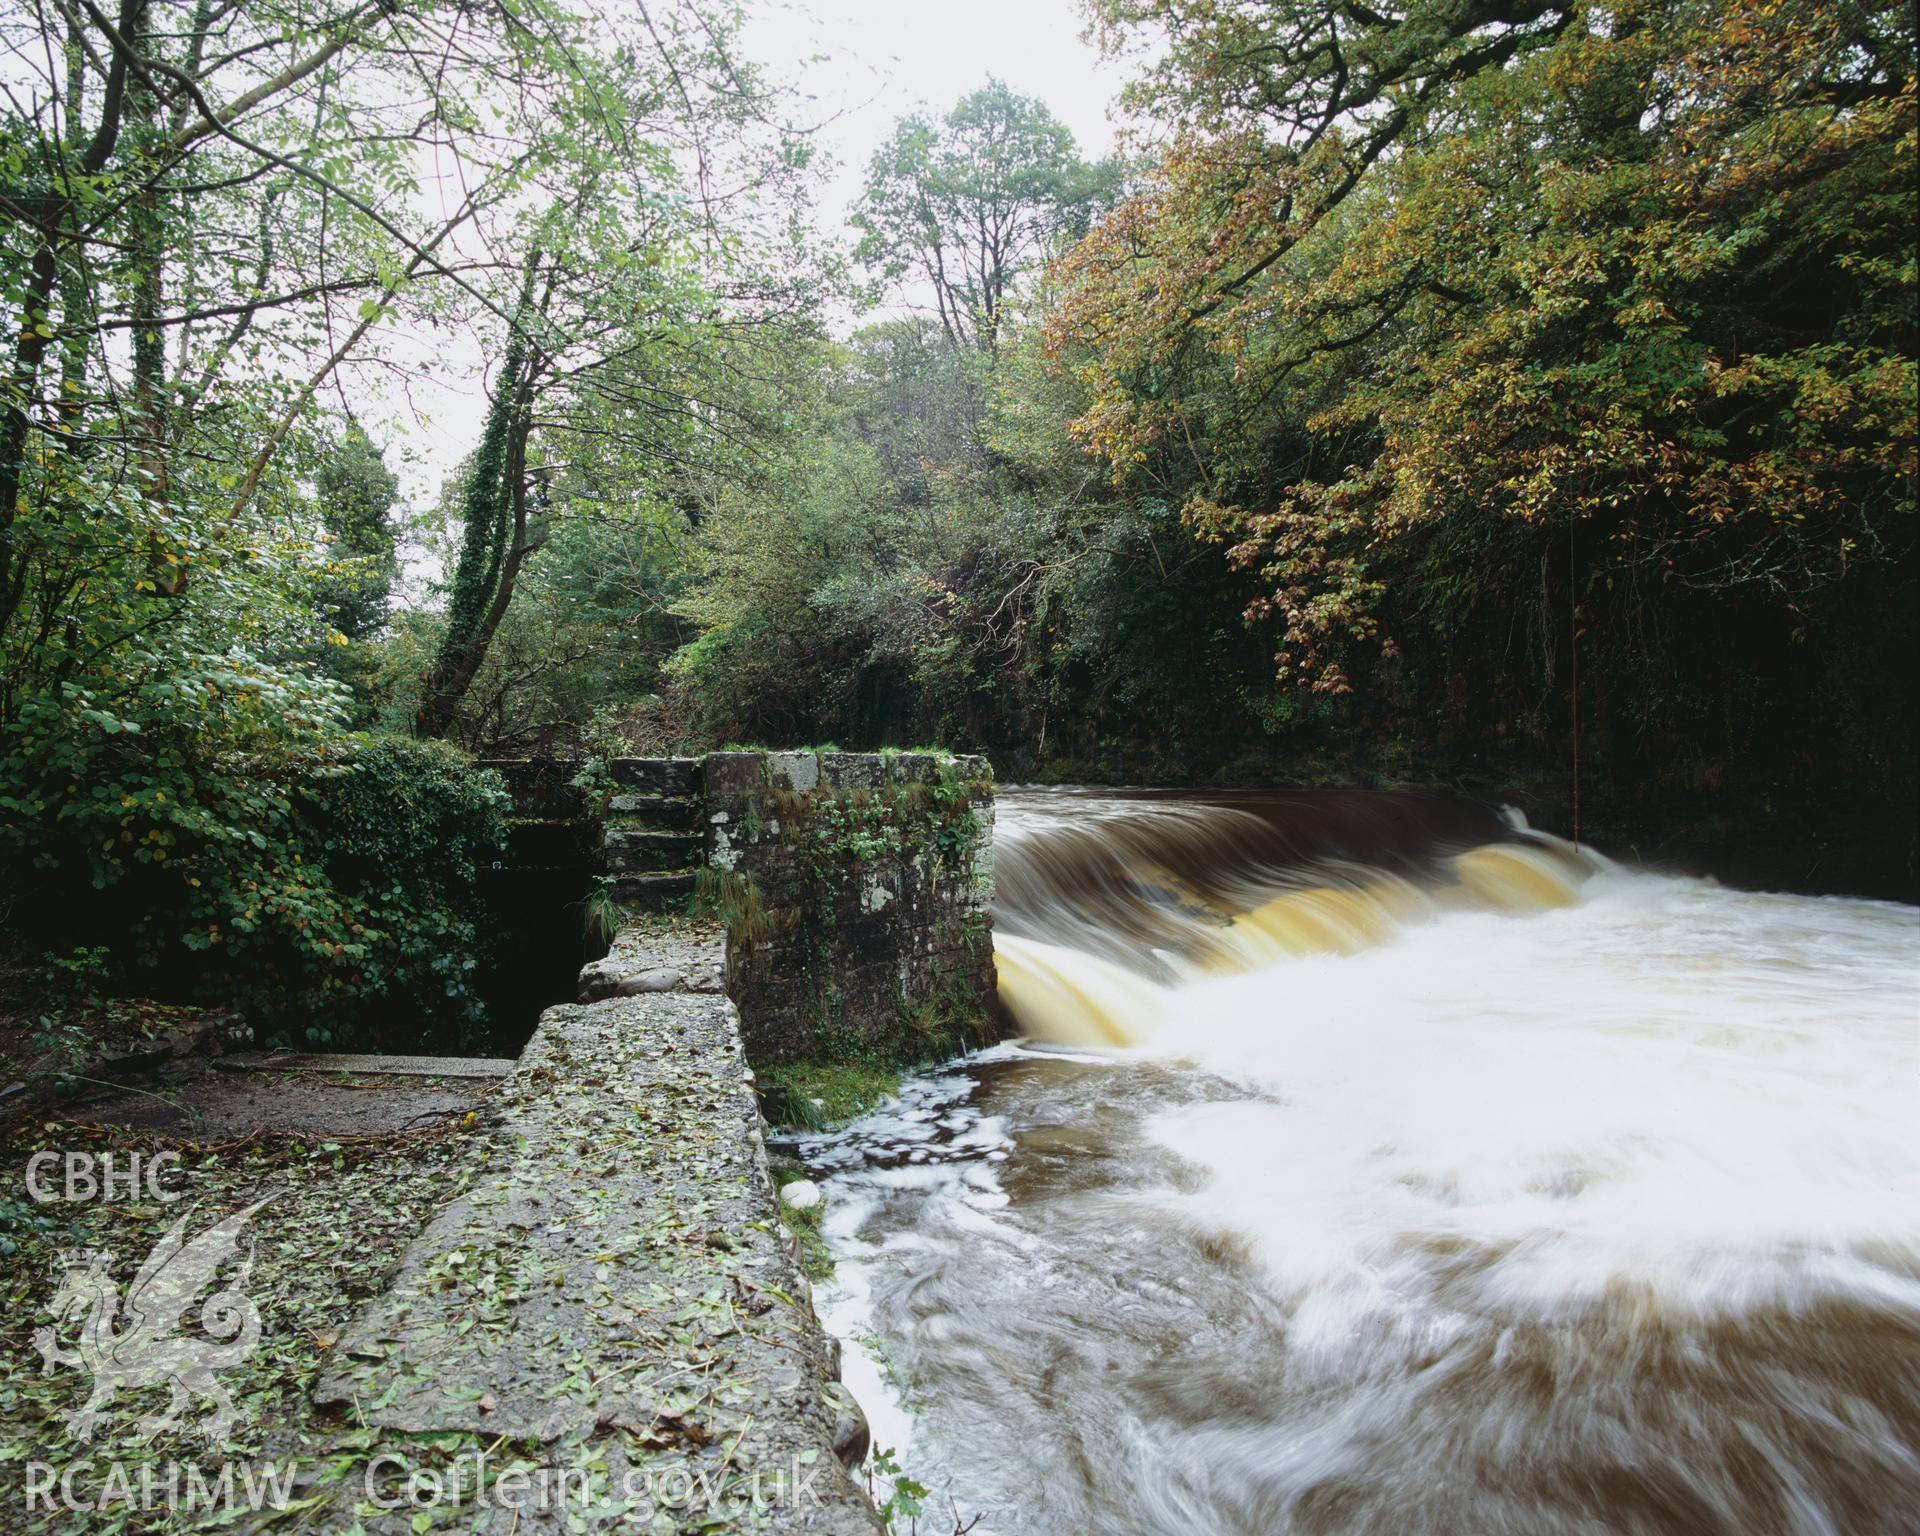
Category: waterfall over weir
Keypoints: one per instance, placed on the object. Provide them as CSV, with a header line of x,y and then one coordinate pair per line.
x,y
1376,1167
1176,892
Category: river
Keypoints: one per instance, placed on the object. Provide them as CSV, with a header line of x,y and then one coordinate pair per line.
x,y
1371,1166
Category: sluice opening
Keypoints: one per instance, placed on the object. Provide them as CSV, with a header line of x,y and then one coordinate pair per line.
x,y
539,932
540,905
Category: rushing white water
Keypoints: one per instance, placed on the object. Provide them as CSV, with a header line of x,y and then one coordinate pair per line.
x,y
1471,1189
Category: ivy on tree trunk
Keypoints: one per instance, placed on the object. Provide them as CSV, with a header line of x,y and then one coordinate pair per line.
x,y
493,547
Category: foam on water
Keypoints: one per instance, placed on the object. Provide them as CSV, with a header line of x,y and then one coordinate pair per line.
x,y
1484,1187
1707,1094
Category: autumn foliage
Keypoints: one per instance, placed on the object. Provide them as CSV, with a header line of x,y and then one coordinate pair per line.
x,y
1625,290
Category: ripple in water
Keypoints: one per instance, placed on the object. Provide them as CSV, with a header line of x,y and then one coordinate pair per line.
x,y
1478,1187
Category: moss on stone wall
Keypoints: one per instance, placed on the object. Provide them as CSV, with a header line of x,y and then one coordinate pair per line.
x,y
856,891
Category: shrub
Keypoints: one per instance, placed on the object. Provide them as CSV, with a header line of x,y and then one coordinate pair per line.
x,y
212,826
400,831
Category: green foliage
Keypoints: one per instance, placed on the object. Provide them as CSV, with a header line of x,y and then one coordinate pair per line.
x,y
214,831
579,652
905,1500
1477,340
355,494
733,899
630,375
71,991
957,839
935,561
401,831
844,1091
601,916
143,779
811,1252
833,832
966,204
197,559
597,784
490,493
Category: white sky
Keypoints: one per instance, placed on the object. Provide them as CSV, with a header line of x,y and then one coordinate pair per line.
x,y
866,63
857,66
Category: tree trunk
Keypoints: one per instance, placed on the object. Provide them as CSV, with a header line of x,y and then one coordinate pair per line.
x,y
148,260
51,212
462,656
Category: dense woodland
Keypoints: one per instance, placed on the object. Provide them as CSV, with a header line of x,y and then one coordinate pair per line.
x,y
1454,392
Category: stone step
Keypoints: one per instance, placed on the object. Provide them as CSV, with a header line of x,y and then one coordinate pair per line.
x,y
636,850
652,891
658,775
680,812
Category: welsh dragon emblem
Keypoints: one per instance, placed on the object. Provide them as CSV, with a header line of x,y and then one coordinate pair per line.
x,y
149,1348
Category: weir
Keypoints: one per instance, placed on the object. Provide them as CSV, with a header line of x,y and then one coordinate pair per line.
x,y
1110,904
1359,1155
854,890
616,1295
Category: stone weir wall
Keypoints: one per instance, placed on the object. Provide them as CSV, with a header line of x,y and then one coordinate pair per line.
x,y
608,1331
611,1317
856,891
855,887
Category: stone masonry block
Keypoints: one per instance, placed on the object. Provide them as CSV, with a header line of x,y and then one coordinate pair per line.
x,y
852,770
913,768
795,771
657,775
734,777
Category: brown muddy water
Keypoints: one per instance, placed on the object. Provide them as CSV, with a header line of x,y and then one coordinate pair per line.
x,y
1374,1167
